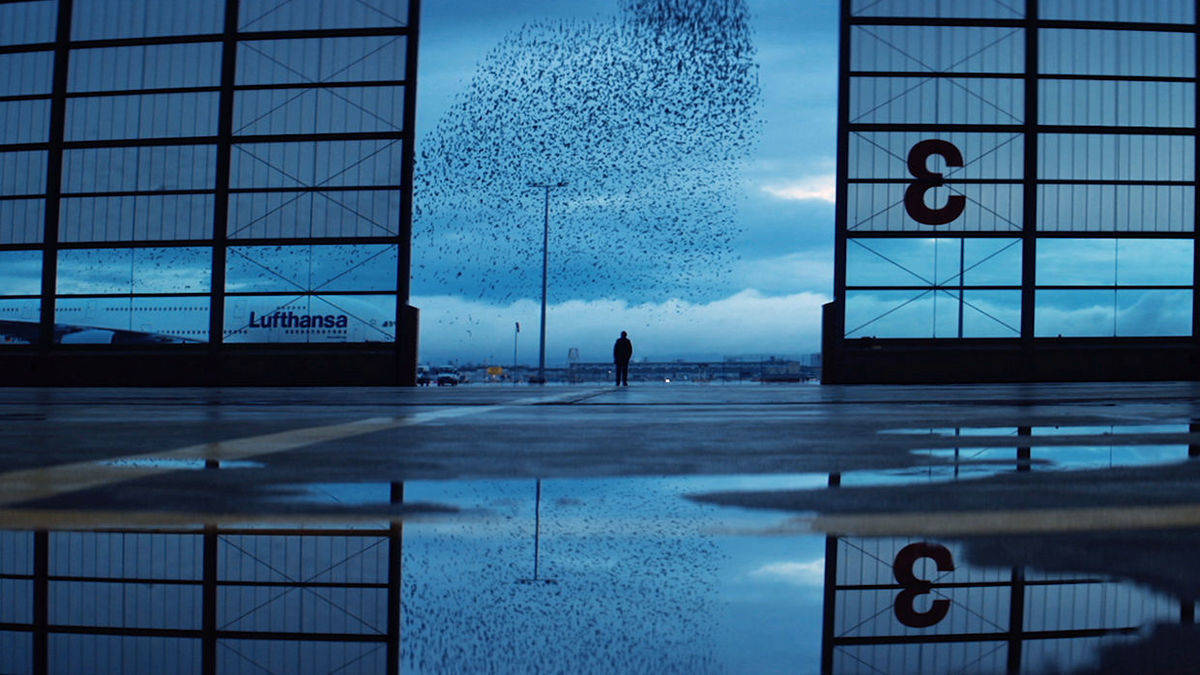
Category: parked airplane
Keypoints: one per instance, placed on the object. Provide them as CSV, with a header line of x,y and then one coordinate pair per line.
x,y
28,332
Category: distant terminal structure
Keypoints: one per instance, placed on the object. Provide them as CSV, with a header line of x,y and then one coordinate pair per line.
x,y
206,191
1016,192
766,369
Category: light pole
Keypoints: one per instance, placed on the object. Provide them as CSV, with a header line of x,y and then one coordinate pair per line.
x,y
541,378
537,540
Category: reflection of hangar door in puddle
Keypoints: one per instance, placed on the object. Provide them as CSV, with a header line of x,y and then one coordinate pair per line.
x,y
905,605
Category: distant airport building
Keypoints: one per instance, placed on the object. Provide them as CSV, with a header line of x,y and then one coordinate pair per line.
x,y
1016,191
206,191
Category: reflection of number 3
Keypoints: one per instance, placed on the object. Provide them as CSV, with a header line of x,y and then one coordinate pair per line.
x,y
902,569
918,166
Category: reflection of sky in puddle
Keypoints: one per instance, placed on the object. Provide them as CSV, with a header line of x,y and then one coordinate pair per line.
x,y
1114,429
975,462
174,464
951,431
1061,430
644,581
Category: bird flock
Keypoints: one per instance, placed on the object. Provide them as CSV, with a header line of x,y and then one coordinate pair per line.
x,y
628,581
647,117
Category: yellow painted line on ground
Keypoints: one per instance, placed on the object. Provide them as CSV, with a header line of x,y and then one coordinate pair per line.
x,y
45,482
1002,522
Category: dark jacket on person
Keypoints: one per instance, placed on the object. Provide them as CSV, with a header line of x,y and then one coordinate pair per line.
x,y
622,350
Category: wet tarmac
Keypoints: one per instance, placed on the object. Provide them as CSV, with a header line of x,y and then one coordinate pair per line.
x,y
692,528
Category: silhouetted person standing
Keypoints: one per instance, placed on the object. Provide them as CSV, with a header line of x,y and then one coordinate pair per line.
x,y
622,352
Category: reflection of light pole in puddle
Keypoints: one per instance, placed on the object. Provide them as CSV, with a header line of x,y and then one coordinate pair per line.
x,y
537,542
541,376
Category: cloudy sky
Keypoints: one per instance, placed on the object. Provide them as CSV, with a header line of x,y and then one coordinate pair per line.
x,y
724,602
767,297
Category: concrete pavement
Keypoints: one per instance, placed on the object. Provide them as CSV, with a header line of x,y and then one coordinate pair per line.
x,y
133,446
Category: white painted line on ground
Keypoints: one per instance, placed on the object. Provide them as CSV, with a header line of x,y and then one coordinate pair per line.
x,y
44,482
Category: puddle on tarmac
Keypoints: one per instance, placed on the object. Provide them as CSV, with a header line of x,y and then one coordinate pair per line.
x,y
1062,430
951,431
945,464
558,575
174,464
974,462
